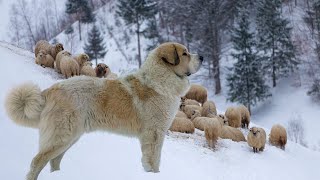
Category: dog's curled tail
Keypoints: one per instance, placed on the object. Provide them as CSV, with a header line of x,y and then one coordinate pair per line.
x,y
24,105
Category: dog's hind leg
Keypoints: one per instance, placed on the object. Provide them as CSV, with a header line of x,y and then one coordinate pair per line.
x,y
55,163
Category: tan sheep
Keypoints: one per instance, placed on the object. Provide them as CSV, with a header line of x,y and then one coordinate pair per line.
x,y
69,67
45,60
198,93
189,101
81,59
87,70
53,50
101,70
278,136
212,131
256,139
188,109
233,116
181,114
208,108
225,120
60,55
183,125
245,116
232,133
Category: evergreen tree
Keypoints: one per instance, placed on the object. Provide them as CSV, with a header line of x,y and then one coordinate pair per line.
x,y
95,48
245,82
81,10
274,39
136,12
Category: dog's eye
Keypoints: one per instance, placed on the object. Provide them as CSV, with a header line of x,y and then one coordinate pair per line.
x,y
184,54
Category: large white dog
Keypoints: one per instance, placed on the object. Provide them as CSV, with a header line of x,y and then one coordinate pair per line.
x,y
142,105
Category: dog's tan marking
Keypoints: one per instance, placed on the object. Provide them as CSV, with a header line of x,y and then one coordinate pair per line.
x,y
142,91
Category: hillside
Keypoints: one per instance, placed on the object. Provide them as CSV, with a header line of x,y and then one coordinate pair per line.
x,y
102,155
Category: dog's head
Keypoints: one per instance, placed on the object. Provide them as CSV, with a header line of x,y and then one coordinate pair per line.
x,y
59,47
178,58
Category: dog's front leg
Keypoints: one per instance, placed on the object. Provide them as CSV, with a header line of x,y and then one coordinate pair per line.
x,y
151,142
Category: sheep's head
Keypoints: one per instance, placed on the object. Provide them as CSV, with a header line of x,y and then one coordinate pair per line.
x,y
225,120
182,105
88,63
66,53
59,47
41,54
102,70
194,114
255,131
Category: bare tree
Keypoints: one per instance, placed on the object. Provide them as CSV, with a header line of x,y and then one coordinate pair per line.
x,y
296,131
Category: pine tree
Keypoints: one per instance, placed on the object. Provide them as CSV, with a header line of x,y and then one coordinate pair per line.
x,y
95,48
82,12
245,82
274,40
136,12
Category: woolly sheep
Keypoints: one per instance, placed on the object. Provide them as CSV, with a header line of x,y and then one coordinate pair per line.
x,y
188,109
245,116
181,114
234,117
69,67
278,136
81,59
232,133
189,101
53,50
183,125
256,139
200,122
110,75
87,70
212,131
208,108
198,93
60,55
44,60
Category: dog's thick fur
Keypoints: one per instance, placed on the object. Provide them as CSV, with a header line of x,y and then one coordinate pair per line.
x,y
142,105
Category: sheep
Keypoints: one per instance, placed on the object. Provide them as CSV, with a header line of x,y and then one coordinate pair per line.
x,y
232,133
212,131
198,93
208,108
257,139
181,114
53,50
87,70
81,59
110,75
188,109
233,116
59,56
189,101
278,136
101,70
44,60
245,116
183,125
69,67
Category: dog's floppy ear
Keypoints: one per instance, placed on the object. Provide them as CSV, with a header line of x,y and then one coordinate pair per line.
x,y
169,54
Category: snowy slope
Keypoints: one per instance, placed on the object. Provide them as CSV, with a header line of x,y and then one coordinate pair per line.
x,y
106,156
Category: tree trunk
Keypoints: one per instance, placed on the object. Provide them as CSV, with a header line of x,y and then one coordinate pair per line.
x,y
96,61
138,35
216,61
274,78
79,29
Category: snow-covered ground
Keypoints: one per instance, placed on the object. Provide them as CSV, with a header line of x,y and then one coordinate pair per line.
x,y
106,156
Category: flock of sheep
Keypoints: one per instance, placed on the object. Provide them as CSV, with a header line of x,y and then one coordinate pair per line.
x,y
197,112
54,56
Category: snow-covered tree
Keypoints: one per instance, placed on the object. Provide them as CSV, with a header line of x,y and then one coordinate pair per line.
x,y
135,12
95,48
245,82
274,40
81,11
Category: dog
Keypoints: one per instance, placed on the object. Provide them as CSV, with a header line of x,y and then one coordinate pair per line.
x,y
141,105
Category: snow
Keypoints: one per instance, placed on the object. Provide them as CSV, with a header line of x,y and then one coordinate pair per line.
x,y
107,156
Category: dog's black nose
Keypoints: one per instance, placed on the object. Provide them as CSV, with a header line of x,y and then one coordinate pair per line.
x,y
201,58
